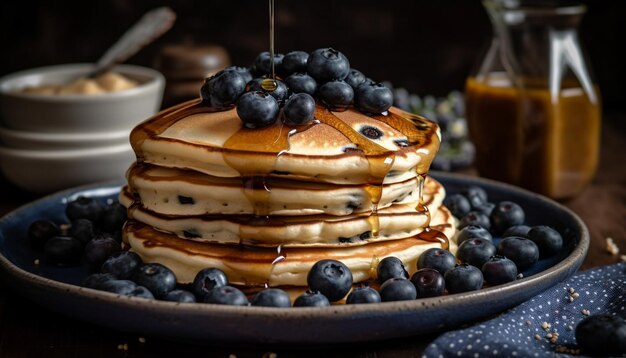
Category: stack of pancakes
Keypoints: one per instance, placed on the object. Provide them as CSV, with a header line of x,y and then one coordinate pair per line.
x,y
263,205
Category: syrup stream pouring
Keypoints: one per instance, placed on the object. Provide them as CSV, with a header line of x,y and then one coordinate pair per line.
x,y
151,25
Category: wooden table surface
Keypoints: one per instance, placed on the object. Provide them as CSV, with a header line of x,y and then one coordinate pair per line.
x,y
27,330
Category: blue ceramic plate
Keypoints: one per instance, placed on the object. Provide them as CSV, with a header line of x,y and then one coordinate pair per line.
x,y
57,289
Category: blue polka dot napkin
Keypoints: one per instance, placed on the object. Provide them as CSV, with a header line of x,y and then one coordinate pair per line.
x,y
544,325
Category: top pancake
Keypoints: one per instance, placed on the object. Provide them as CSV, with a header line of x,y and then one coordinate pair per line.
x,y
338,147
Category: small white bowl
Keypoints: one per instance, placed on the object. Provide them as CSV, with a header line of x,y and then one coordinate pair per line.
x,y
47,171
78,113
55,141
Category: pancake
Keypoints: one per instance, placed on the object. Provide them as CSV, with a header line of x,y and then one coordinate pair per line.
x,y
255,266
396,221
186,192
338,147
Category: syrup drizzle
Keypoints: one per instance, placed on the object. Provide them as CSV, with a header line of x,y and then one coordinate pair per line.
x,y
269,84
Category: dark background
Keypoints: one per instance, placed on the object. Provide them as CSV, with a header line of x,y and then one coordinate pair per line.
x,y
429,47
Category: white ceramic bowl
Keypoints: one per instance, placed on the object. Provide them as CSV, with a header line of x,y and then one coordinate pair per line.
x,y
52,170
78,113
55,141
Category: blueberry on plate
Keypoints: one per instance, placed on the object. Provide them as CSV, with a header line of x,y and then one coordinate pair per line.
x,y
142,292
390,267
121,287
373,98
547,239
82,229
498,270
96,280
475,251
242,71
505,215
602,335
40,231
520,250
63,251
472,232
222,89
84,208
280,92
517,230
438,259
486,208
428,282
113,217
336,95
326,64
463,278
181,296
363,294
271,297
294,61
311,299
397,289
257,109
355,78
122,264
476,195
299,109
208,279
301,83
155,277
475,218
262,65
226,295
99,249
458,205
330,277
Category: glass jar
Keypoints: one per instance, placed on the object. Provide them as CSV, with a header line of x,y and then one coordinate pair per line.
x,y
533,107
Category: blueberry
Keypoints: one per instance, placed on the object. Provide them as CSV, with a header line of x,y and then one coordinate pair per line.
x,y
397,289
390,267
355,78
84,208
222,89
178,295
311,299
271,297
476,196
40,231
96,280
441,162
517,230
63,251
475,251
475,218
83,230
208,279
548,240
336,95
121,287
122,264
371,132
157,278
363,294
520,250
113,217
242,71
294,61
463,278
330,277
602,335
257,109
458,205
326,64
428,282
505,215
498,270
262,65
280,93
226,295
438,259
301,83
486,208
299,109
99,249
142,292
472,232
373,98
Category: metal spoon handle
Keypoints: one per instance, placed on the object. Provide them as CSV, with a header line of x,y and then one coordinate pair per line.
x,y
151,25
